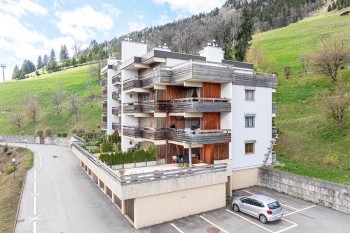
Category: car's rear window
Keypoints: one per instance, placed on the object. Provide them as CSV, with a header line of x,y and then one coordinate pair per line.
x,y
274,205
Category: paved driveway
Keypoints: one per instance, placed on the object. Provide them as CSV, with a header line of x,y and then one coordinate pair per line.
x,y
59,197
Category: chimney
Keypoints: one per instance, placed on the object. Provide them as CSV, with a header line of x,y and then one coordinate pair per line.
x,y
212,52
132,49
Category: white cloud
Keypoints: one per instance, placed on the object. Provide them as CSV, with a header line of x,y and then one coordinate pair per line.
x,y
111,10
22,7
192,6
163,19
82,23
137,25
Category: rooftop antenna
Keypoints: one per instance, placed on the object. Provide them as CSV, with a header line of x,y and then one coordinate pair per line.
x,y
3,66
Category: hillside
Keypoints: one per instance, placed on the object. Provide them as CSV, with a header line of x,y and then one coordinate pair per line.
x,y
13,94
306,135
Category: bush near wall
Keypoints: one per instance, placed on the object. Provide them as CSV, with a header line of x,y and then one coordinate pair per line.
x,y
136,156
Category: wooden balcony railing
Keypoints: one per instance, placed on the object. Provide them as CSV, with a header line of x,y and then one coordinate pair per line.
x,y
131,83
274,107
199,136
130,131
153,133
200,105
115,95
145,107
180,135
104,111
116,79
116,110
116,126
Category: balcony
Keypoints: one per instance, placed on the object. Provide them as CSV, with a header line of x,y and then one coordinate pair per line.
x,y
103,83
115,96
274,108
130,131
104,125
153,133
116,110
199,136
104,97
104,111
116,79
131,84
116,126
199,105
152,106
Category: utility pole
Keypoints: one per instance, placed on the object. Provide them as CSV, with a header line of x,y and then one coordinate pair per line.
x,y
3,66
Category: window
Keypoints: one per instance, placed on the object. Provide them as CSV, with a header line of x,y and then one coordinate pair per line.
x,y
249,95
249,148
249,121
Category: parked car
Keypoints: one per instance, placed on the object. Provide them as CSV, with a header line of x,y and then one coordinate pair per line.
x,y
259,206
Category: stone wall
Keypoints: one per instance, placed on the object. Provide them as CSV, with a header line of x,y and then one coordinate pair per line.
x,y
36,140
329,194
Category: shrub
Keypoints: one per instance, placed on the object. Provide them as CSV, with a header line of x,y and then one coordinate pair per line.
x,y
22,133
64,134
39,132
48,132
6,148
10,169
287,71
74,130
330,160
59,135
80,131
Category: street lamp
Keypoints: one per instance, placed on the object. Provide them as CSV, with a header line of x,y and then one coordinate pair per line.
x,y
3,66
14,172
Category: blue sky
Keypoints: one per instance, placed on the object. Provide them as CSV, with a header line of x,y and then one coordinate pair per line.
x,y
30,28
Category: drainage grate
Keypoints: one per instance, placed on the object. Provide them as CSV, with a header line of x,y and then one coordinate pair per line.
x,y
20,220
213,230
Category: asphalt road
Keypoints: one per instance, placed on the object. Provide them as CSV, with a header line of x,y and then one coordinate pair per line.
x,y
59,197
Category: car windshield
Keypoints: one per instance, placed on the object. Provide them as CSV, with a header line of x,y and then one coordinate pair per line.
x,y
274,205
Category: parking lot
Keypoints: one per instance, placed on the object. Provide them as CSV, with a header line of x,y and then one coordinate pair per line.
x,y
299,216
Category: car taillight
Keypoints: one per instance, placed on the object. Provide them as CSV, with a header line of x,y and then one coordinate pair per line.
x,y
269,212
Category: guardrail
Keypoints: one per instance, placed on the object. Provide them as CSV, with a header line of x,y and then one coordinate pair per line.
x,y
152,176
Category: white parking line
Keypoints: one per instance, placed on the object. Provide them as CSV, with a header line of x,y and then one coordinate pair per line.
x,y
213,224
289,206
34,186
249,221
287,228
299,210
173,225
34,227
34,206
248,192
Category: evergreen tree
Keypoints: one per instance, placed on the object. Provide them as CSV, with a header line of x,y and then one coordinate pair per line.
x,y
16,73
52,56
45,60
64,53
244,35
40,63
28,67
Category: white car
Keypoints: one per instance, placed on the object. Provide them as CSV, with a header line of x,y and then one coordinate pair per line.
x,y
259,206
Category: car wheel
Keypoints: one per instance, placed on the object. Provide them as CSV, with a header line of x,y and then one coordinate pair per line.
x,y
263,219
235,207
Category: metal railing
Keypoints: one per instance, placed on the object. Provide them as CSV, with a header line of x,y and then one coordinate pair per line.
x,y
145,106
199,136
104,125
200,105
116,110
116,79
274,107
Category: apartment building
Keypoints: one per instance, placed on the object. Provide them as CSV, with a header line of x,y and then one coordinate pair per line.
x,y
194,108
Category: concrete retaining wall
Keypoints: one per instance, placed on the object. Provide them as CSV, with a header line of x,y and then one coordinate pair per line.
x,y
36,140
329,194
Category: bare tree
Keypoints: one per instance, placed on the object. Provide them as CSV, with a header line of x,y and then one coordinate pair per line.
x,y
75,106
333,53
335,106
256,55
57,99
16,118
77,50
304,61
32,107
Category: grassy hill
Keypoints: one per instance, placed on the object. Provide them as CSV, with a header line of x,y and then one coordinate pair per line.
x,y
307,137
12,96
